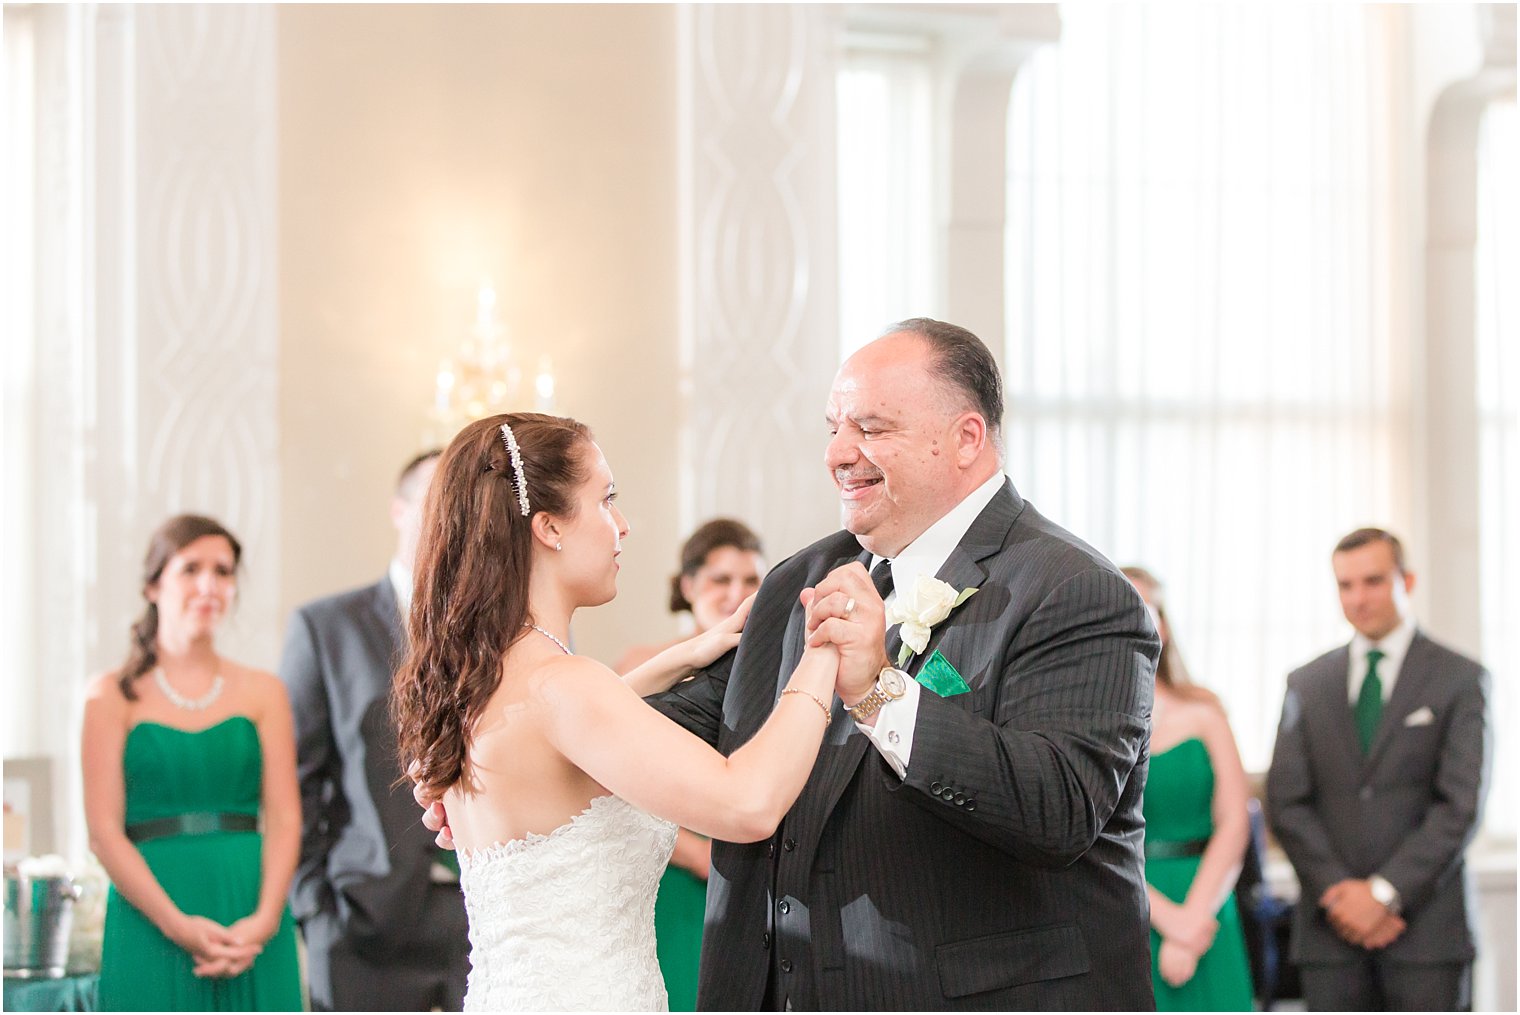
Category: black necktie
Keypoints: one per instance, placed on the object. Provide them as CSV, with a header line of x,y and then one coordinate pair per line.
x,y
881,577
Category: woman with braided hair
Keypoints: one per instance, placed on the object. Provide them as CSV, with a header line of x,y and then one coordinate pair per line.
x,y
183,750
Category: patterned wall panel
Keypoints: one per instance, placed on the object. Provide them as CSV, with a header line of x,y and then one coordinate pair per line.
x,y
760,336
155,344
206,322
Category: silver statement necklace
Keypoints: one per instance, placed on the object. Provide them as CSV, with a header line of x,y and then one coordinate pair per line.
x,y
562,646
179,700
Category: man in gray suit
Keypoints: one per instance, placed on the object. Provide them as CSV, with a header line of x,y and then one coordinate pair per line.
x,y
383,917
971,836
1375,790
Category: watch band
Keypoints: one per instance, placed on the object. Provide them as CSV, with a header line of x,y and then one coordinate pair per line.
x,y
870,704
873,702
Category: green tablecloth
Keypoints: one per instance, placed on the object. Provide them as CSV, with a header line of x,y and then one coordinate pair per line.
x,y
66,993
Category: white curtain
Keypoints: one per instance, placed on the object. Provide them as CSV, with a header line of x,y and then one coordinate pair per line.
x,y
1498,396
1199,361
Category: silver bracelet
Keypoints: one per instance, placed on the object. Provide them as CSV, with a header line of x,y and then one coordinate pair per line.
x,y
828,717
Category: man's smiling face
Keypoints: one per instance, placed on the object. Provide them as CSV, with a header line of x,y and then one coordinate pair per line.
x,y
892,453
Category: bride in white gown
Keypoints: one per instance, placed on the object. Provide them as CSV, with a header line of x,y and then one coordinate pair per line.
x,y
563,788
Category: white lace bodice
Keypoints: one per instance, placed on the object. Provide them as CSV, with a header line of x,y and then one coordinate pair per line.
x,y
565,921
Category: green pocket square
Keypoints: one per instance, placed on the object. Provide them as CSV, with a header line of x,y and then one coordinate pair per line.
x,y
940,677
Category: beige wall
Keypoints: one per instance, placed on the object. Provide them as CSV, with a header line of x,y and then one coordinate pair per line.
x,y
425,148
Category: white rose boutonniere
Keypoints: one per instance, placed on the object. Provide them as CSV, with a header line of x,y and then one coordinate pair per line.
x,y
919,608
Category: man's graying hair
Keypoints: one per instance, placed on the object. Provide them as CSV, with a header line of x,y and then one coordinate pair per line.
x,y
966,364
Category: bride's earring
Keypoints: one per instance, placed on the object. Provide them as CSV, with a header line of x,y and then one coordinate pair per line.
x,y
558,547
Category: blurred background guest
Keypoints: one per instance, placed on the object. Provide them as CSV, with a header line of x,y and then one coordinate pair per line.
x,y
1375,791
1196,829
378,902
722,563
182,750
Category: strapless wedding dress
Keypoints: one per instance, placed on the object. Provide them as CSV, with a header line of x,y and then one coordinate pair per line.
x,y
565,921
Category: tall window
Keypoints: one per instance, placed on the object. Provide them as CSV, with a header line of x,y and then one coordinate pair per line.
x,y
1498,335
18,666
1198,364
886,246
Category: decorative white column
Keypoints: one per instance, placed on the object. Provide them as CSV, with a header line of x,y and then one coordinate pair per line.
x,y
758,266
155,338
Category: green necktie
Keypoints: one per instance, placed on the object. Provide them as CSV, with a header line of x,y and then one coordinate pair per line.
x,y
1369,703
449,859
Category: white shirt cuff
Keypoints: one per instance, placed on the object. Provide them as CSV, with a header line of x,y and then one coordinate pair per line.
x,y
893,732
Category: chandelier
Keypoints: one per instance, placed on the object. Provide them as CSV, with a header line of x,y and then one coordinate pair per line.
x,y
483,378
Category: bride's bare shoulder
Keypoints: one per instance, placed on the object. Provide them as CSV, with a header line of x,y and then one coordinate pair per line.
x,y
570,681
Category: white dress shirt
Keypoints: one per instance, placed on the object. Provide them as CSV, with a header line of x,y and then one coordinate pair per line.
x,y
893,732
1394,646
401,583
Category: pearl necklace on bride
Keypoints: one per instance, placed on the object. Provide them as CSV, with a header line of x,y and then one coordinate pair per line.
x,y
562,646
179,700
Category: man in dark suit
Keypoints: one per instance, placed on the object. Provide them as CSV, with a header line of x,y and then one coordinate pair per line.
x,y
379,903
971,837
1375,790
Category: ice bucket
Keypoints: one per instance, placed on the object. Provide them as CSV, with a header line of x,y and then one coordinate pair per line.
x,y
39,911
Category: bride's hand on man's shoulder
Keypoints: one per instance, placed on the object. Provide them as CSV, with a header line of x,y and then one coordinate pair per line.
x,y
720,638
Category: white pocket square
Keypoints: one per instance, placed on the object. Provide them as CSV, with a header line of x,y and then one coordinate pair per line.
x,y
1421,716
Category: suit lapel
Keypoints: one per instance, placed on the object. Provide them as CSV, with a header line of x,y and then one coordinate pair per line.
x,y
1336,706
1406,692
962,568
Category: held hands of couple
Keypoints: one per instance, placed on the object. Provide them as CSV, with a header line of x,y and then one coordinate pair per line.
x,y
844,610
1359,918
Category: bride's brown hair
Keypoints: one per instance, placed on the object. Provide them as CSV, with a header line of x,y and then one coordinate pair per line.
x,y
470,590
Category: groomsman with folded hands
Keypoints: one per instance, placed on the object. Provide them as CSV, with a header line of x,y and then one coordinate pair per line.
x,y
1375,790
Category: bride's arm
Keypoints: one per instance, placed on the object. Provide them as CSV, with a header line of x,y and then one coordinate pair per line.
x,y
668,668
608,732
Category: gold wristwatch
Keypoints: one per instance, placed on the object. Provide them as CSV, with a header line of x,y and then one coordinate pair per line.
x,y
891,684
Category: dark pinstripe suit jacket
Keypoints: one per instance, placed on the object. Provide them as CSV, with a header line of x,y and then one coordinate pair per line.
x,y
1005,871
1407,810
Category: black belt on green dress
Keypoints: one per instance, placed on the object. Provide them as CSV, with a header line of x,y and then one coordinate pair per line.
x,y
1162,850
194,823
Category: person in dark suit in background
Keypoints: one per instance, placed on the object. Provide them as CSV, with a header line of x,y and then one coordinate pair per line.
x,y
970,837
1375,790
379,903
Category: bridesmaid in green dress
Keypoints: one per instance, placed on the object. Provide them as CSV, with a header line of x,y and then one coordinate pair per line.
x,y
721,565
183,750
1196,829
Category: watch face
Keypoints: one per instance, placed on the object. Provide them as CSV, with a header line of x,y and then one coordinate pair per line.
x,y
893,681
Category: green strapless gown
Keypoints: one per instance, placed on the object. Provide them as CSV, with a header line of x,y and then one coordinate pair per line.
x,y
679,911
170,772
1179,794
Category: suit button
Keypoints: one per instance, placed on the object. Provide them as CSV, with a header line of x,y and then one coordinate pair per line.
x,y
960,799
971,804
789,845
935,788
785,907
786,965
765,939
948,794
